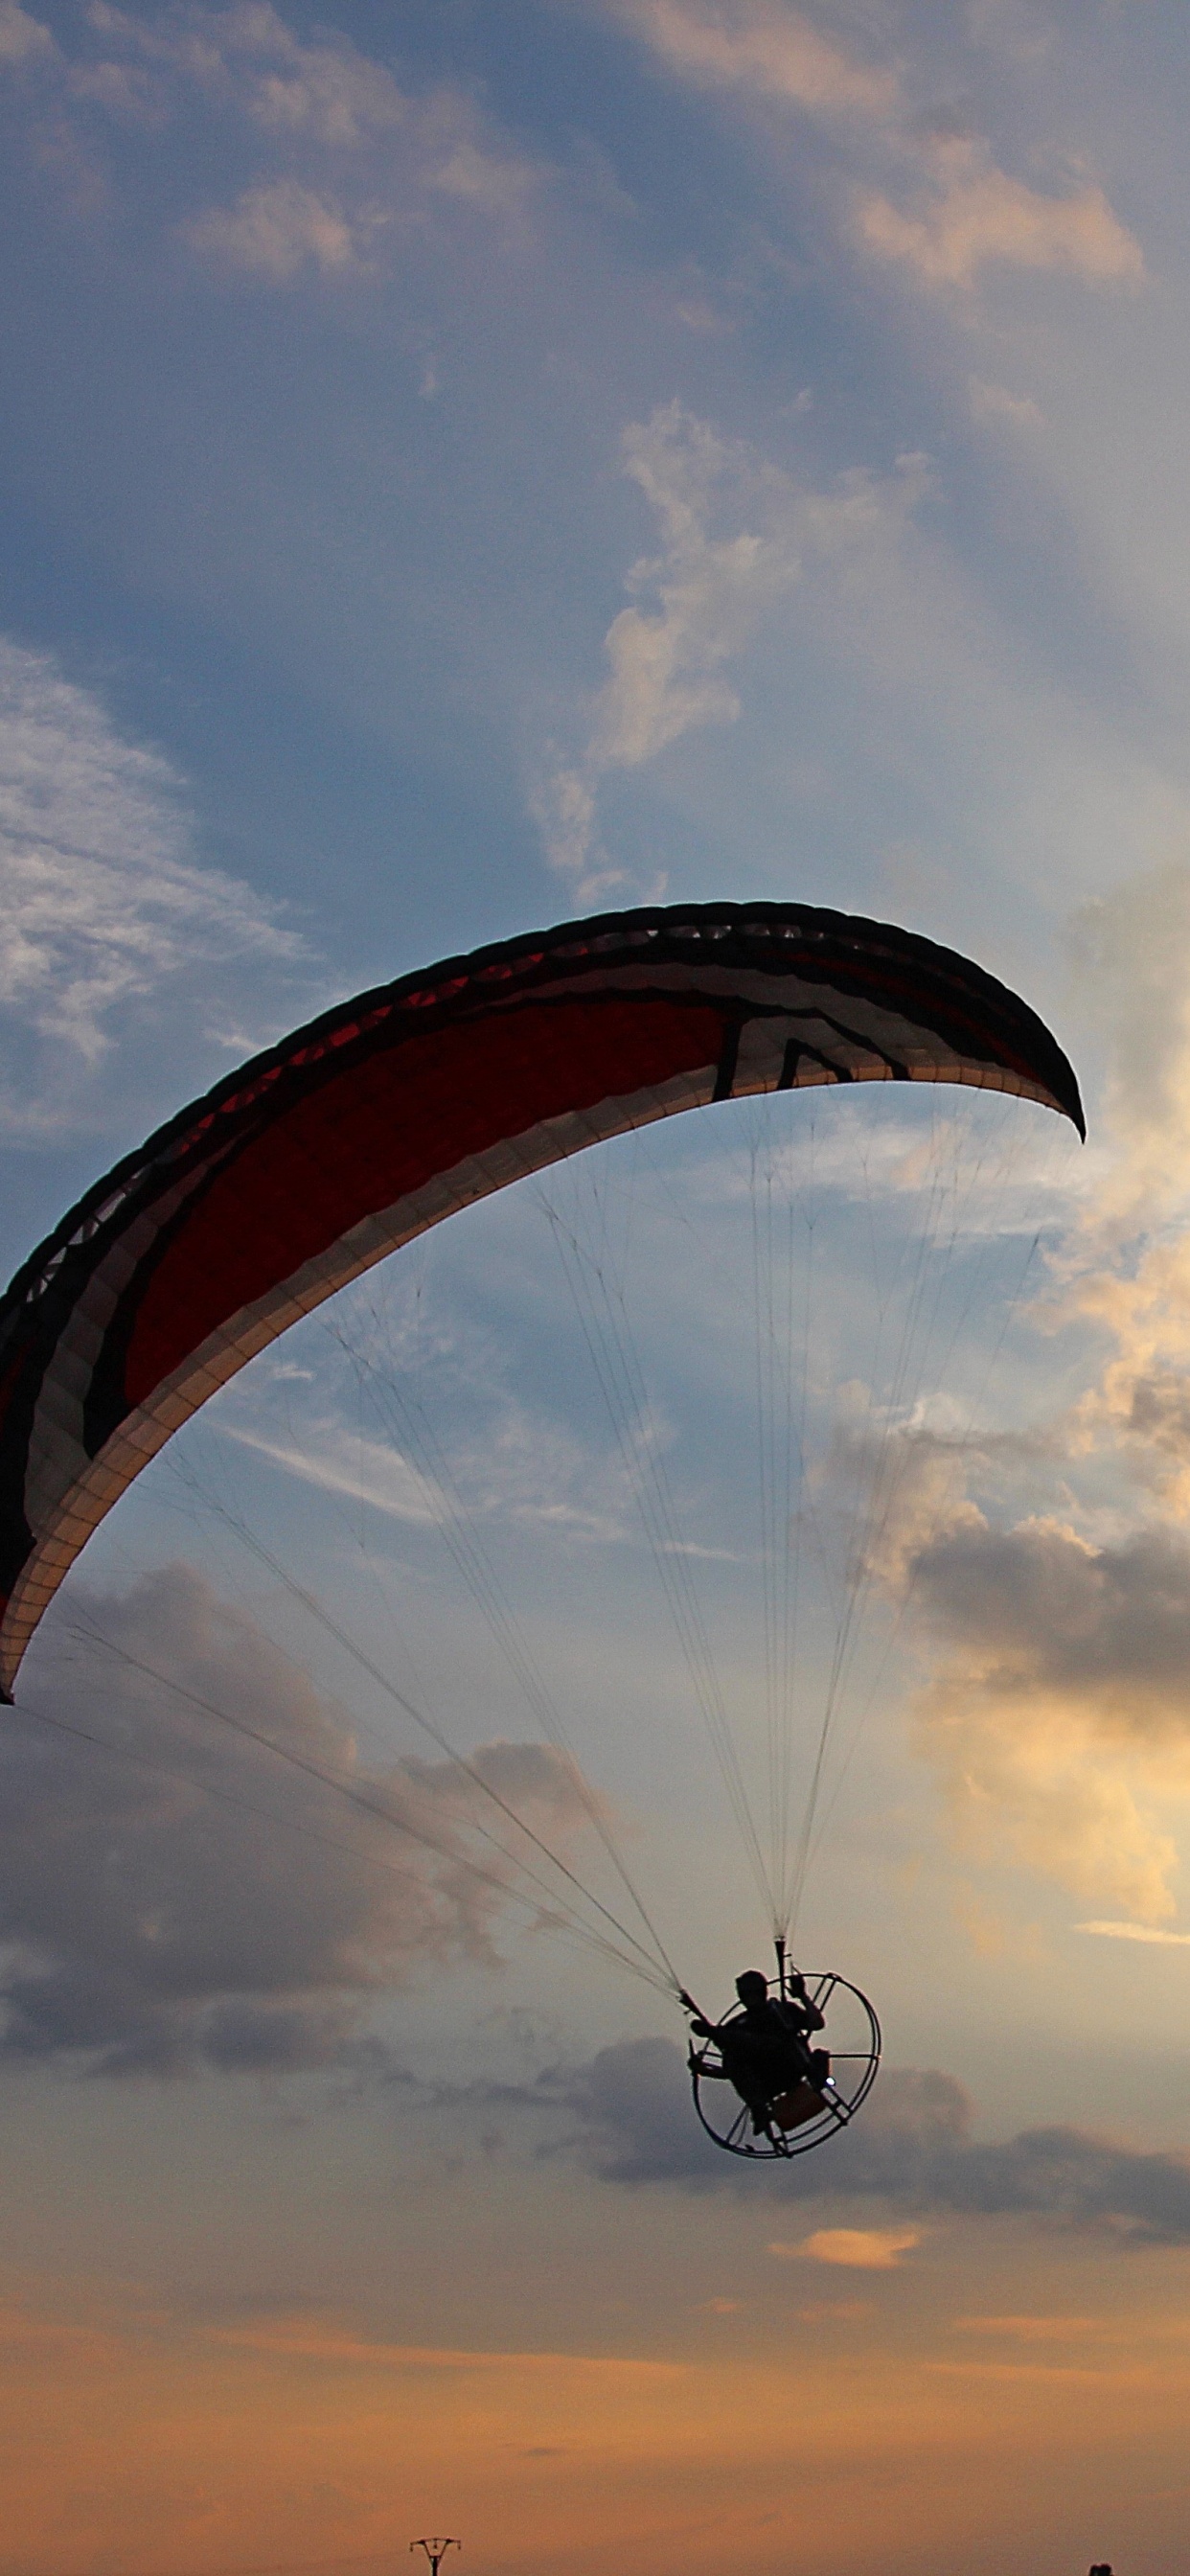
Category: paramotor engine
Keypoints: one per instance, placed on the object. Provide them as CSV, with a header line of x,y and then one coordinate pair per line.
x,y
804,2107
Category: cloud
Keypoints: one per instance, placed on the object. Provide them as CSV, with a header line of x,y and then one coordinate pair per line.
x,y
714,578
1057,1715
1125,1267
763,46
367,1471
520,1469
101,904
496,182
1069,1690
826,2311
963,212
1137,1932
276,233
911,2149
1131,950
855,2249
200,1899
1041,1609
971,215
247,56
996,403
1031,2329
22,39
327,89
339,154
708,592
738,537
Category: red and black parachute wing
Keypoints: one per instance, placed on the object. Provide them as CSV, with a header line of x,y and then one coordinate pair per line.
x,y
391,1111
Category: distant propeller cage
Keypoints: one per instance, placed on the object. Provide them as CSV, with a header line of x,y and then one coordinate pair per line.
x,y
852,2038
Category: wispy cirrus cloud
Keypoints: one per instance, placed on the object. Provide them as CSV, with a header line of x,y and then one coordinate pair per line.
x,y
104,904
527,1473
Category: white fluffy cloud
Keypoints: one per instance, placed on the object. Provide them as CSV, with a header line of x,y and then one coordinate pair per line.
x,y
737,538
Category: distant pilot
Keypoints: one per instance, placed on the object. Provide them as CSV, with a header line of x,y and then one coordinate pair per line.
x,y
765,2050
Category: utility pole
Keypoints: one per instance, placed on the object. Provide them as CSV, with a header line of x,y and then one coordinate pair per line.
x,y
435,2551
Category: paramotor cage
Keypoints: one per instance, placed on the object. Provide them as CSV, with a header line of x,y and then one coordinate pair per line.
x,y
803,2116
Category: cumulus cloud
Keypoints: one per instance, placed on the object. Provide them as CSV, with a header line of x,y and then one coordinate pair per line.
x,y
339,153
961,212
1062,1721
496,182
762,46
970,215
326,88
738,536
991,402
101,902
1125,1266
912,2150
1132,954
276,233
1057,1714
1043,1608
199,1897
22,39
249,56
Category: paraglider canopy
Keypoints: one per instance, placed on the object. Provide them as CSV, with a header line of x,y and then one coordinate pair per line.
x,y
394,1110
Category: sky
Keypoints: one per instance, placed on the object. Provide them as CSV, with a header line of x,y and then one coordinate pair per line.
x,y
467,464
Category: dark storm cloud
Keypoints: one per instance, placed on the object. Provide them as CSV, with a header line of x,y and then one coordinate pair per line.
x,y
911,2150
199,1899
